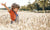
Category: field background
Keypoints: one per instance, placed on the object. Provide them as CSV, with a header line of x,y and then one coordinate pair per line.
x,y
27,21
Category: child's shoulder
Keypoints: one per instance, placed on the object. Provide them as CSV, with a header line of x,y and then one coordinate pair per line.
x,y
10,10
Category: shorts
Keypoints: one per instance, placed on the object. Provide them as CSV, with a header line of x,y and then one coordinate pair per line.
x,y
16,20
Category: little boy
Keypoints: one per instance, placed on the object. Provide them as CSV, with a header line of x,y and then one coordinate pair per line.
x,y
13,11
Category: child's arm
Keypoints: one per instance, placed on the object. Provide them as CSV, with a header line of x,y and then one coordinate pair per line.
x,y
5,6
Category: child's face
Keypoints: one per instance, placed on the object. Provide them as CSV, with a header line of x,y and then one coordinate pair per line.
x,y
15,9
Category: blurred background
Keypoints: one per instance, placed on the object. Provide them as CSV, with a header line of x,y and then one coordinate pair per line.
x,y
37,6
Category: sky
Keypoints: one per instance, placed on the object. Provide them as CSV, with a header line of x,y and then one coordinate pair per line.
x,y
10,2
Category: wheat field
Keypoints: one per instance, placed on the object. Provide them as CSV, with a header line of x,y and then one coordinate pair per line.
x,y
27,21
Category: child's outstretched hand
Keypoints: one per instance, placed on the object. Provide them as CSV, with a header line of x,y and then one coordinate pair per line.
x,y
4,4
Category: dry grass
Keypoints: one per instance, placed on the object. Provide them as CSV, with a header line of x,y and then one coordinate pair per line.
x,y
27,21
